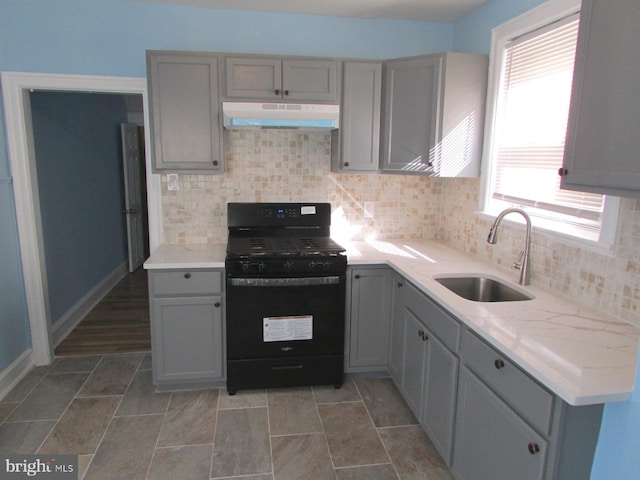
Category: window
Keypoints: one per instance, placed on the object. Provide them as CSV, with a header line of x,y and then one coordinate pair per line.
x,y
531,83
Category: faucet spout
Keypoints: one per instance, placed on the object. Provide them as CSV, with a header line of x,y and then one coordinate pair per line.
x,y
524,263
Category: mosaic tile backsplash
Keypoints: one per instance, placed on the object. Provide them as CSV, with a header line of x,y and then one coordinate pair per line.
x,y
283,165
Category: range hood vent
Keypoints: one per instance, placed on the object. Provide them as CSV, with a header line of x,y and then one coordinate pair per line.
x,y
302,116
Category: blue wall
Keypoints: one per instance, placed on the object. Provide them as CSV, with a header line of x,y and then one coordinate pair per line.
x,y
79,167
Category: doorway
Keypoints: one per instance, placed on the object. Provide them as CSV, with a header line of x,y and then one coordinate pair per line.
x,y
16,88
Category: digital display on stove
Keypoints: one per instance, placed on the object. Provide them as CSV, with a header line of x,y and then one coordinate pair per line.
x,y
280,212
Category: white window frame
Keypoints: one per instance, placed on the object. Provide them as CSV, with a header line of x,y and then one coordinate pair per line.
x,y
538,17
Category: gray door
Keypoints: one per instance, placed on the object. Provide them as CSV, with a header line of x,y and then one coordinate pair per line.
x,y
133,188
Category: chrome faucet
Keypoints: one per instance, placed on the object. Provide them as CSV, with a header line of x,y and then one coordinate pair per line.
x,y
523,263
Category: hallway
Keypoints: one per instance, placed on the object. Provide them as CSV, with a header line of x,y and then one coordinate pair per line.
x,y
118,324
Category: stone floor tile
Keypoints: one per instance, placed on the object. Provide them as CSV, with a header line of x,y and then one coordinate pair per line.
x,y
243,399
23,437
301,457
26,385
174,463
50,398
241,445
141,397
292,411
351,435
330,394
112,376
412,454
190,418
82,426
369,472
75,364
127,448
6,409
384,402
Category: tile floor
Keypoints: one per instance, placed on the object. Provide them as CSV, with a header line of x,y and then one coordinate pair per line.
x,y
104,409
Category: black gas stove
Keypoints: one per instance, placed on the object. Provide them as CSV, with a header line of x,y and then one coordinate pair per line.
x,y
281,239
285,292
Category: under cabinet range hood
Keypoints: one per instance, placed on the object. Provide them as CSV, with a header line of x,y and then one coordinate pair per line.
x,y
303,116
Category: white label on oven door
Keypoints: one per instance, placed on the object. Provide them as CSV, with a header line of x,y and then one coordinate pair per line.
x,y
279,329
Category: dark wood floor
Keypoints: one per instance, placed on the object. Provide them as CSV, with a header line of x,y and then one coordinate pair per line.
x,y
119,323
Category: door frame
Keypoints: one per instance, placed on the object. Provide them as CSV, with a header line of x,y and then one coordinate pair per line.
x,y
20,146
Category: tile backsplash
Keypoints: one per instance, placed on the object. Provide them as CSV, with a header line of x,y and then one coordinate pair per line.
x,y
294,166
290,165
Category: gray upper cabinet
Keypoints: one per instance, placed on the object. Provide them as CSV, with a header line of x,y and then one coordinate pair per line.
x,y
355,146
601,152
265,78
432,116
186,127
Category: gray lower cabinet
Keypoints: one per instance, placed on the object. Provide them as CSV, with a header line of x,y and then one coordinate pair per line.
x,y
601,151
396,330
427,365
509,426
187,328
272,78
186,126
355,146
433,110
369,310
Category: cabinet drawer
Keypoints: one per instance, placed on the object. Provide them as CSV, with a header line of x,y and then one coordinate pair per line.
x,y
185,282
524,394
433,317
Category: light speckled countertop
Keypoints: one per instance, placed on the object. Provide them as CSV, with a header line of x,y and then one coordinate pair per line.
x,y
578,353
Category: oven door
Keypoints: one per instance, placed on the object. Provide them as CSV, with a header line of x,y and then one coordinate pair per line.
x,y
282,317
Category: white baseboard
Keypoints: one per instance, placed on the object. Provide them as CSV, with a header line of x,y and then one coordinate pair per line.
x,y
63,327
11,376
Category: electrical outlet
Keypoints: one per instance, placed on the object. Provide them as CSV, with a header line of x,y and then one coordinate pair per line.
x,y
368,209
172,181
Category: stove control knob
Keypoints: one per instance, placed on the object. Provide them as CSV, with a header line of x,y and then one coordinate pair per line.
x,y
327,264
245,267
288,266
312,265
262,267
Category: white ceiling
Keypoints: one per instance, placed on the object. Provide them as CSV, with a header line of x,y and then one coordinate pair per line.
x,y
446,11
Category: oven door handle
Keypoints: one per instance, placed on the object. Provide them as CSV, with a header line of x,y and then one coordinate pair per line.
x,y
285,282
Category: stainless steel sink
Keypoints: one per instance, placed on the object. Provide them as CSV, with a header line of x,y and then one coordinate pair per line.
x,y
483,289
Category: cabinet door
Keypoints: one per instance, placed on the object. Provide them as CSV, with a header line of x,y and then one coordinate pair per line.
x,y
187,339
359,131
441,375
310,80
491,441
411,92
185,118
396,342
413,373
370,316
601,153
248,77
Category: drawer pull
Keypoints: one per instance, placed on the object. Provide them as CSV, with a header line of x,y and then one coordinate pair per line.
x,y
187,275
400,284
534,448
356,276
217,304
499,364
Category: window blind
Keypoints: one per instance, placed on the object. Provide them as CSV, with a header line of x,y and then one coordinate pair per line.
x,y
531,124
